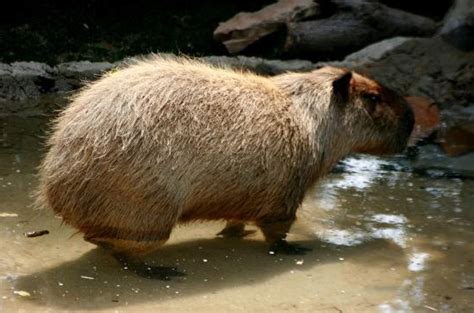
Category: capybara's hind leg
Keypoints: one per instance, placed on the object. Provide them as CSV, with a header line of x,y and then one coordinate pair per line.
x,y
129,253
275,231
234,229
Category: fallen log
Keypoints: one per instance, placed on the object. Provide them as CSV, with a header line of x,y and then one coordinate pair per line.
x,y
355,25
246,28
332,37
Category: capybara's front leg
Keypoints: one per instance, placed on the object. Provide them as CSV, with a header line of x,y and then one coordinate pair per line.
x,y
275,231
130,253
234,229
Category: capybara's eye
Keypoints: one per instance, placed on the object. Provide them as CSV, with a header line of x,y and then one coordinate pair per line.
x,y
372,97
371,101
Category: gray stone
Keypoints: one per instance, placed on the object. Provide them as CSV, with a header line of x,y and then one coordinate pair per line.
x,y
83,69
376,52
427,67
432,159
25,80
32,68
458,27
23,85
261,66
72,75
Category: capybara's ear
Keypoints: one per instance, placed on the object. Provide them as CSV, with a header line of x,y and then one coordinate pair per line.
x,y
341,85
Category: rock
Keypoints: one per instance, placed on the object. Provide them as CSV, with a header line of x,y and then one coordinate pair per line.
x,y
427,67
376,51
245,28
27,87
83,69
457,133
433,161
458,27
427,118
458,140
25,80
21,82
457,115
261,66
71,75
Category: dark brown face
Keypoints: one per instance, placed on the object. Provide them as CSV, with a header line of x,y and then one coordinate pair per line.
x,y
382,118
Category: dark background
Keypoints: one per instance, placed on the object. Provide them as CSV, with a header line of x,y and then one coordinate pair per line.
x,y
60,31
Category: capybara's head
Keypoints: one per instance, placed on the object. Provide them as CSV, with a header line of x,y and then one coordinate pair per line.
x,y
379,120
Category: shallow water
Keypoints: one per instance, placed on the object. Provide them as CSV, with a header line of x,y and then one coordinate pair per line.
x,y
387,235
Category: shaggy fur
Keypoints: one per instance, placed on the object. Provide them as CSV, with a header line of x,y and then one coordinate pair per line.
x,y
164,141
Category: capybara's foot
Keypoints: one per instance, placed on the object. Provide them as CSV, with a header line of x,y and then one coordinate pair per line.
x,y
283,247
235,230
147,271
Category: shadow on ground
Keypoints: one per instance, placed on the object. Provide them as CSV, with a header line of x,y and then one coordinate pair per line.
x,y
210,265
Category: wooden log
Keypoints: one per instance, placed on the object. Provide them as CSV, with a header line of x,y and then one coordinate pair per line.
x,y
246,28
355,25
332,37
390,21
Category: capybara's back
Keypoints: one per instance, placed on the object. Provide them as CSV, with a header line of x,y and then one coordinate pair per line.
x,y
167,141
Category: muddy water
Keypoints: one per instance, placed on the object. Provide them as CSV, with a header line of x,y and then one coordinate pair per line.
x,y
387,235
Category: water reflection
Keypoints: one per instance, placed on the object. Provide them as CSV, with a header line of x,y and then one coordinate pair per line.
x,y
362,172
417,261
412,211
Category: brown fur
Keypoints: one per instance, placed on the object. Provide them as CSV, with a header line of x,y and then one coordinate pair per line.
x,y
165,141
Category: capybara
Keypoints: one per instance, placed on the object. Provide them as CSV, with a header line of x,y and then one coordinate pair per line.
x,y
165,141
